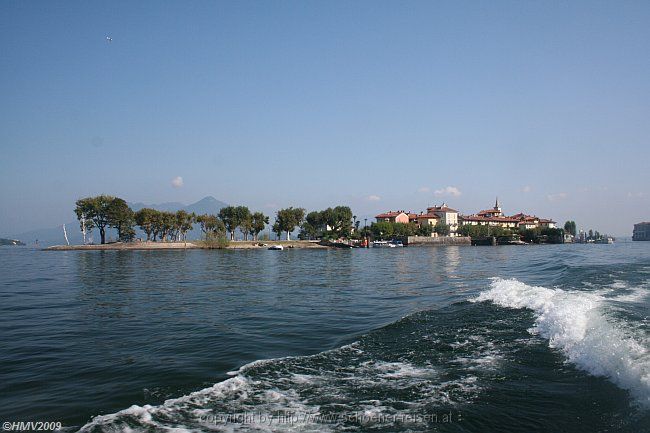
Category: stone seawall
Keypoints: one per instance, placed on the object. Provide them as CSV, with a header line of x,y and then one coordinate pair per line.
x,y
438,241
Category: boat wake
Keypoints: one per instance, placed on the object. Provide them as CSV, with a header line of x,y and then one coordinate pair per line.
x,y
576,323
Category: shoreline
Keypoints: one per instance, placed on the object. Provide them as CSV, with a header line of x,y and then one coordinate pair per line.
x,y
189,245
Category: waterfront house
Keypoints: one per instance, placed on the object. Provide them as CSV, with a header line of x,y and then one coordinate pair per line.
x,y
446,215
393,217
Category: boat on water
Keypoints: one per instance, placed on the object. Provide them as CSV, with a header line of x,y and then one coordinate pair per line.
x,y
276,247
387,244
605,240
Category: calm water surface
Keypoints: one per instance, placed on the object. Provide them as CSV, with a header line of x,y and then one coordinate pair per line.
x,y
535,338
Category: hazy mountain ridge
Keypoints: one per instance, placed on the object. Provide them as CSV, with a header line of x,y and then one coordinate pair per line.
x,y
54,235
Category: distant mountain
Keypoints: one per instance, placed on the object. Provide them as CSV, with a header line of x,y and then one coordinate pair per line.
x,y
208,205
54,235
171,206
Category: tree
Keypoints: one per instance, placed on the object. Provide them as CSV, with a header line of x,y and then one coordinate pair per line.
x,y
339,220
382,230
211,225
570,227
313,226
287,220
184,223
425,230
232,217
441,228
591,234
277,229
258,222
164,224
144,219
96,211
245,220
121,217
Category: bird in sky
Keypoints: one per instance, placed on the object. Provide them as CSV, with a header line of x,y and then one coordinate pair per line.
x,y
109,39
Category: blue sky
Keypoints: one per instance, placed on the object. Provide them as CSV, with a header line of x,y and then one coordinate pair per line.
x,y
377,105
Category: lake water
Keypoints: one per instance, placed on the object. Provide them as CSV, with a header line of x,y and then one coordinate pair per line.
x,y
467,339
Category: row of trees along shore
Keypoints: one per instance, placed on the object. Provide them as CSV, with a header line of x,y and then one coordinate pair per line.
x,y
105,211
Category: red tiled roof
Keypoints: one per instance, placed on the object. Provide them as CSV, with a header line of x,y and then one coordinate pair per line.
x,y
392,214
484,218
428,215
441,209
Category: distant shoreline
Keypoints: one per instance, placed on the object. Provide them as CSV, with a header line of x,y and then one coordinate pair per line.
x,y
193,245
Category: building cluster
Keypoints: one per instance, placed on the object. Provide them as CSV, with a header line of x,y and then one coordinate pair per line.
x,y
444,214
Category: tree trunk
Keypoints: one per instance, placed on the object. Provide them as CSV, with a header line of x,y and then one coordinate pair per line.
x,y
232,235
288,235
102,235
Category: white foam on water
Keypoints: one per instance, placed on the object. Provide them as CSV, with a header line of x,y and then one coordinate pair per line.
x,y
574,322
283,390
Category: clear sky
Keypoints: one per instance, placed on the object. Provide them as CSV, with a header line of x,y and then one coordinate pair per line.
x,y
377,105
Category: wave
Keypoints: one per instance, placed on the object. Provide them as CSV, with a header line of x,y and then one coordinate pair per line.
x,y
344,388
576,324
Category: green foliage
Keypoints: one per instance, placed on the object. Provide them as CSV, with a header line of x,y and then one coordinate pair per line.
x,y
570,227
382,230
313,227
210,226
385,230
228,215
331,223
121,218
339,220
163,225
424,230
216,240
144,219
481,231
127,234
258,223
543,234
245,220
529,235
442,229
287,219
184,223
236,216
103,211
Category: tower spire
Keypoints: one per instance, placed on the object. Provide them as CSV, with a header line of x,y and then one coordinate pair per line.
x,y
496,204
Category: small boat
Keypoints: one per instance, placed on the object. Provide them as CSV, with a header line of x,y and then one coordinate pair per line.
x,y
387,244
276,247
